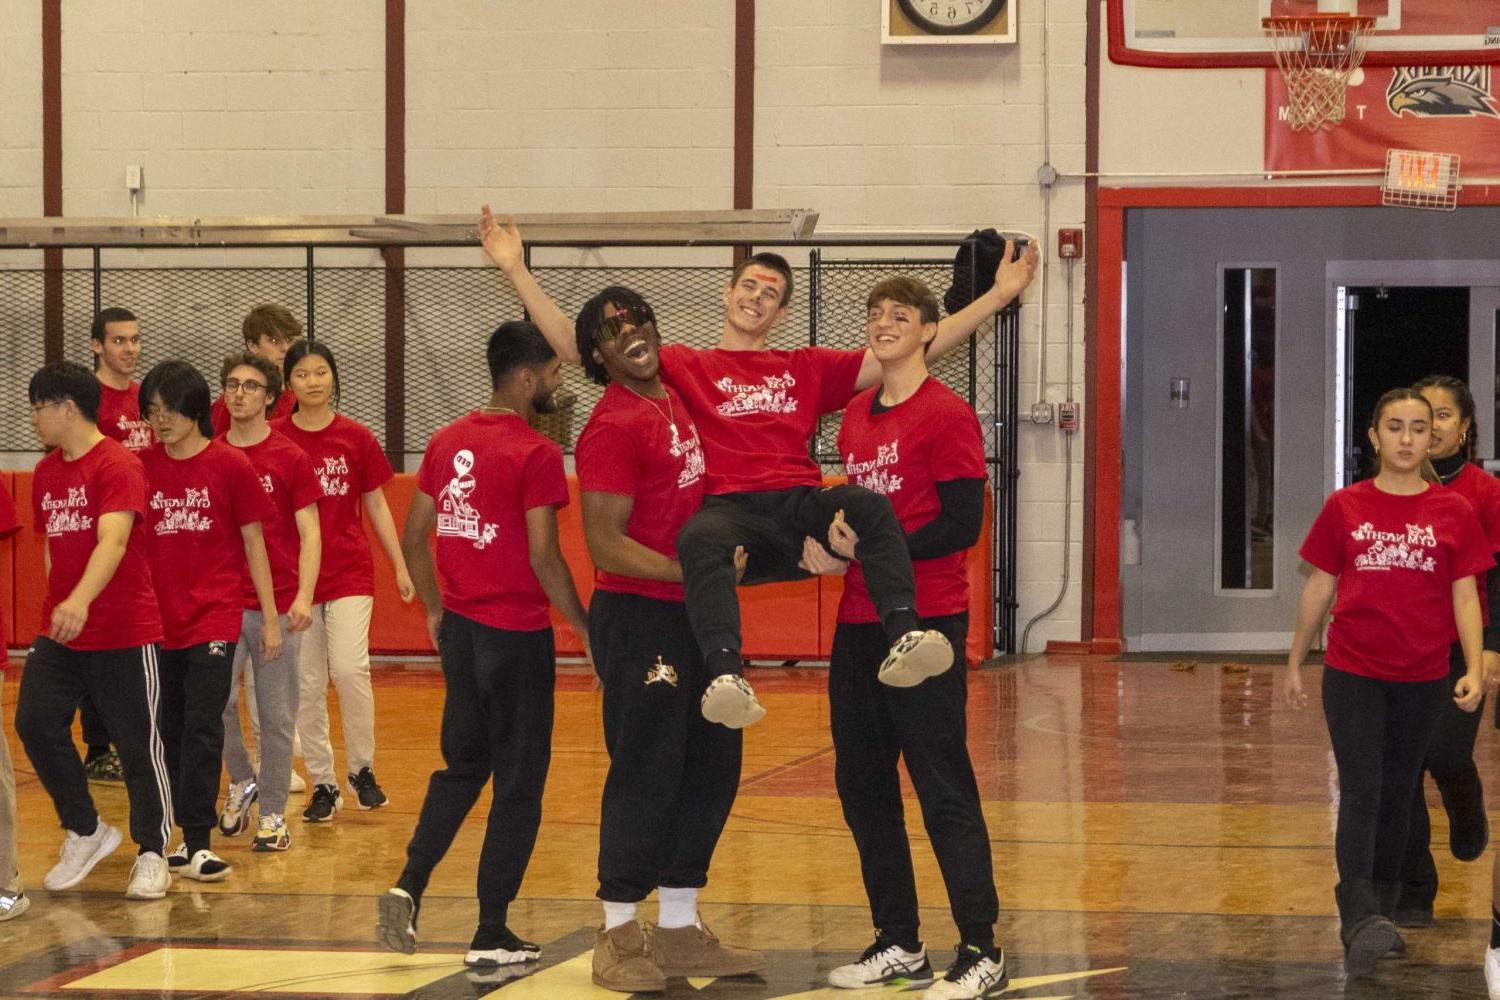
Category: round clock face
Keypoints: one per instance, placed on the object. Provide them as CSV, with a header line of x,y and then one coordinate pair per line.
x,y
951,17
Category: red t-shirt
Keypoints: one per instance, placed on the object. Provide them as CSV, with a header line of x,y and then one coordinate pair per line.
x,y
903,453
1396,558
757,410
120,417
67,500
219,412
348,462
286,474
647,449
1482,490
195,510
484,471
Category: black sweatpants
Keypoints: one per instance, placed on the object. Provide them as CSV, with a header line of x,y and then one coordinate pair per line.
x,y
874,724
673,775
1380,732
194,691
125,686
497,724
1450,761
95,732
771,526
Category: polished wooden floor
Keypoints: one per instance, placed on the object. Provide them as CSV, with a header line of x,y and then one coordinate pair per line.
x,y
1157,833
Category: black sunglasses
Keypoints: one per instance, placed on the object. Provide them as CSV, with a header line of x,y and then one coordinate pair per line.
x,y
624,317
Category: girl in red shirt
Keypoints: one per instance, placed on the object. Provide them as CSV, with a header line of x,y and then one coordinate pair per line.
x,y
1401,555
351,469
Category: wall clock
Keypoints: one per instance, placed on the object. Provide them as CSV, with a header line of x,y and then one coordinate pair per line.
x,y
949,22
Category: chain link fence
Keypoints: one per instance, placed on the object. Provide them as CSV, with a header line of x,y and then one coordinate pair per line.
x,y
447,314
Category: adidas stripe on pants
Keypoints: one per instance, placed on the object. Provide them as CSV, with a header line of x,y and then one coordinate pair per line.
x,y
125,685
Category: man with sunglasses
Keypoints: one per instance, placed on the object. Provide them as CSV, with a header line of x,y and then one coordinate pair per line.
x,y
673,775
757,409
252,388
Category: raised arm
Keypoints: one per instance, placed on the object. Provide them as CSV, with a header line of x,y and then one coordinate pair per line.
x,y
502,244
1011,278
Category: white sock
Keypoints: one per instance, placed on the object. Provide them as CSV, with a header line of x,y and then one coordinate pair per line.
x,y
616,914
679,907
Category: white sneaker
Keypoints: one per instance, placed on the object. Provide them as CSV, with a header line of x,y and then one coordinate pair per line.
x,y
915,657
150,877
884,964
1492,972
79,855
730,701
298,785
972,976
206,866
234,818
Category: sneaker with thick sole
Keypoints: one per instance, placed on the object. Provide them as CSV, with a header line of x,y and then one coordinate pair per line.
x,y
622,963
272,835
396,924
298,784
915,657
500,948
1367,943
79,855
730,701
325,801
234,818
1492,972
884,963
13,903
974,973
366,790
150,877
697,951
205,866
105,768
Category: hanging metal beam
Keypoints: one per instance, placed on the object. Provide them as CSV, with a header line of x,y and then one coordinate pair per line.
x,y
756,226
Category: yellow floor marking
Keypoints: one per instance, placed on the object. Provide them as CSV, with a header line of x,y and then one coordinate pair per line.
x,y
244,970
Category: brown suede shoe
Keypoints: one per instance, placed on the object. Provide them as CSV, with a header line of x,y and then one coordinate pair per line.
x,y
622,964
695,951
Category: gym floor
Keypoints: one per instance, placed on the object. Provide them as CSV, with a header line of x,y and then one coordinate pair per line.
x,y
1158,832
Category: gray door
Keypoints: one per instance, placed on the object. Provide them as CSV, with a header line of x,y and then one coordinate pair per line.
x,y
1205,568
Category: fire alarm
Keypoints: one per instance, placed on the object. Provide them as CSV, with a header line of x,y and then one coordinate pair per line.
x,y
1069,244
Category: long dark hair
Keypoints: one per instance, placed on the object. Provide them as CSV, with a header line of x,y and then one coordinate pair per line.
x,y
302,349
1397,395
182,389
1459,390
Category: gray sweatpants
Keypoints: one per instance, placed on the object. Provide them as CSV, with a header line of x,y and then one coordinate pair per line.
x,y
275,713
9,878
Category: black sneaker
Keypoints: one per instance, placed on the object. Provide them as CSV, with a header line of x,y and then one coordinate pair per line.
x,y
975,973
500,947
366,789
325,801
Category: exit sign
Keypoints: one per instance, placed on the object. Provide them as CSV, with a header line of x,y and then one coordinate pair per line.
x,y
1415,179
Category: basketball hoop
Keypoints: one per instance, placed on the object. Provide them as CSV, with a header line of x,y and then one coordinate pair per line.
x,y
1317,53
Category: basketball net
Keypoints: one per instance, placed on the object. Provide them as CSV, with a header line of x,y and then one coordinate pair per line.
x,y
1316,54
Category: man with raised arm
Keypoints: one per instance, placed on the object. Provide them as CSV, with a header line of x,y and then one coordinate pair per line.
x,y
756,409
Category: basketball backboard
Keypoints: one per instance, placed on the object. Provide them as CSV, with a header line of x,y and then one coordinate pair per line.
x,y
1225,33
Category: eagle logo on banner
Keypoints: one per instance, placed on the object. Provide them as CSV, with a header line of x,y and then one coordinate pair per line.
x,y
1441,92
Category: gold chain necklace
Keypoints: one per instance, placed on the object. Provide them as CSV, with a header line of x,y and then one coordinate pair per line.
x,y
671,420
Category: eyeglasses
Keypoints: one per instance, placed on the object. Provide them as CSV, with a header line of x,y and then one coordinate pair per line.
x,y
39,407
232,385
628,317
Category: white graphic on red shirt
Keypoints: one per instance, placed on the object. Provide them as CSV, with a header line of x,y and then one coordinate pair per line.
x,y
769,396
65,514
268,484
1394,550
692,458
134,434
331,476
875,475
184,513
457,518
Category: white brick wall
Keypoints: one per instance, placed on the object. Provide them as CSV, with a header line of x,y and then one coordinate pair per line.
x,y
231,108
20,108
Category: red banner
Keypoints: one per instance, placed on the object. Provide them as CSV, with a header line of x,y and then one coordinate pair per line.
x,y
1441,109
